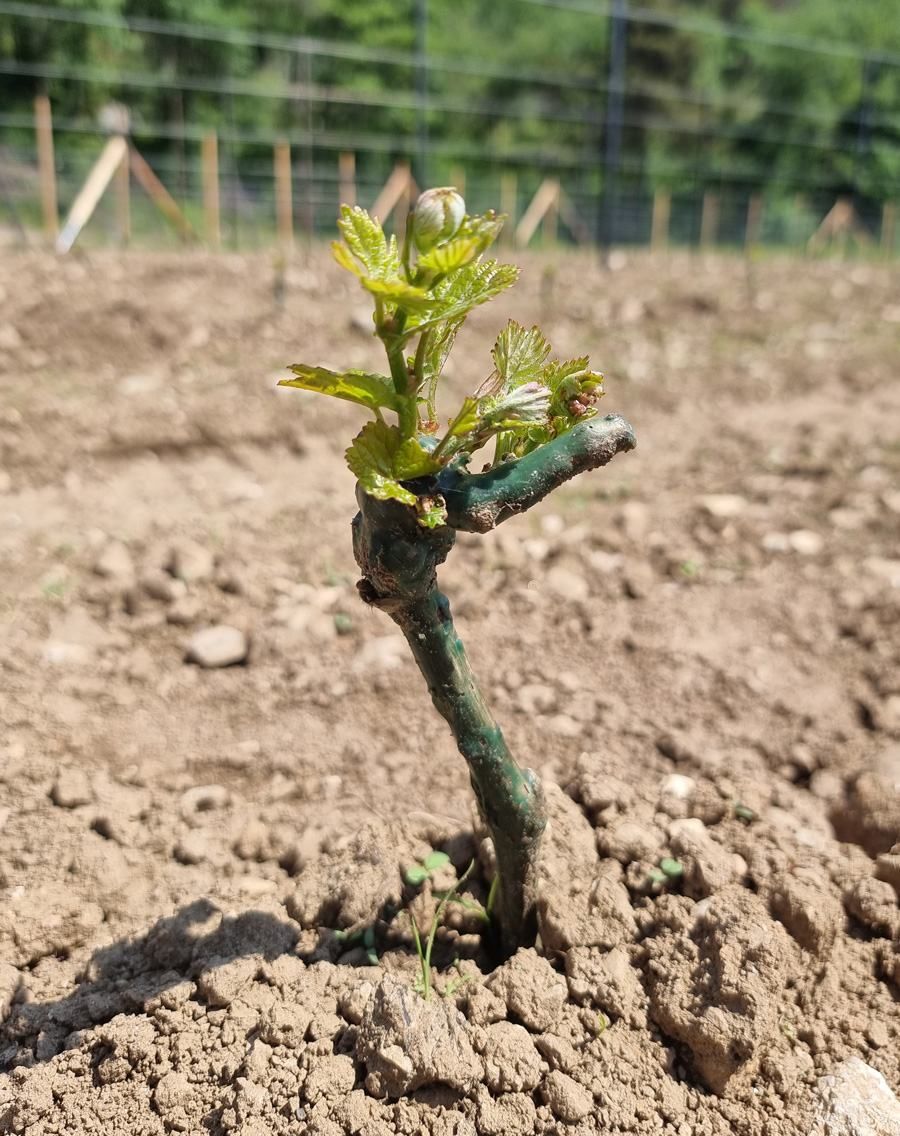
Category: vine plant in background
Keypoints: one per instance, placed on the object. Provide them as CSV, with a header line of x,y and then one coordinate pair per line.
x,y
415,490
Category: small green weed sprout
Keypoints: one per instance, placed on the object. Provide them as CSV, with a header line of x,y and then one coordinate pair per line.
x,y
424,951
415,491
668,871
419,873
362,936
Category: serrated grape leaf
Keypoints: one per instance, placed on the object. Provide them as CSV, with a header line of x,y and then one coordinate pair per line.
x,y
344,258
523,406
396,291
519,355
466,419
575,389
373,391
451,256
440,342
365,239
413,460
371,459
557,372
459,293
482,227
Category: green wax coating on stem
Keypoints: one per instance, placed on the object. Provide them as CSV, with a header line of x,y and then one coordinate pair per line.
x,y
478,502
399,559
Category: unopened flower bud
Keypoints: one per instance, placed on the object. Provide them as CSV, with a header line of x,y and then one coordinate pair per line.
x,y
437,216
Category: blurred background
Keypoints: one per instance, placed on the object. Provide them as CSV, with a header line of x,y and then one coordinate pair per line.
x,y
712,122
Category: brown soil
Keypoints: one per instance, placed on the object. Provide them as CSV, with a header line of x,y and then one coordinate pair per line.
x,y
700,645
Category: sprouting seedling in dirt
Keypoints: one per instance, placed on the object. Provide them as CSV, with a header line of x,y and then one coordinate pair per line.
x,y
415,490
424,951
362,936
418,873
668,871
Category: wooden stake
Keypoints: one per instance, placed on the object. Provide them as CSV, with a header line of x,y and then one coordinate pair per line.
x,y
709,221
210,167
509,201
90,193
123,198
754,221
159,195
551,218
659,227
405,204
545,200
888,228
571,219
347,177
284,197
43,125
458,180
397,190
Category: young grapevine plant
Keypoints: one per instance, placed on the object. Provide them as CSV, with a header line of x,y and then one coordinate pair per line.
x,y
415,490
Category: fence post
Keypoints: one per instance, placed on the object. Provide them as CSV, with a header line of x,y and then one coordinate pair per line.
x,y
284,196
209,155
509,200
888,228
709,219
754,221
544,207
347,177
659,226
551,217
43,125
123,198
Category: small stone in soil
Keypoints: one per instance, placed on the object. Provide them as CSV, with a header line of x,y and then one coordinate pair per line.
x,y
854,1100
569,1101
71,789
115,563
191,562
219,646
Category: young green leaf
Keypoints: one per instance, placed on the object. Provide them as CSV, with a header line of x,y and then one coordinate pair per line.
x,y
464,290
440,342
365,239
525,405
372,391
451,256
519,355
396,291
415,875
431,512
465,421
435,860
483,228
413,460
371,459
576,388
671,868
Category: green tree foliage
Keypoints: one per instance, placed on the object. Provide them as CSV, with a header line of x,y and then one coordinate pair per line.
x,y
521,81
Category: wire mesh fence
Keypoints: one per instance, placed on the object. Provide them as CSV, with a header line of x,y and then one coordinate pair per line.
x,y
635,162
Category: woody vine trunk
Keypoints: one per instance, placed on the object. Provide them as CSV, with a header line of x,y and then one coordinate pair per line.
x,y
399,560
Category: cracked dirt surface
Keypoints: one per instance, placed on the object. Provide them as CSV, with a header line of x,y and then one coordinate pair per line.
x,y
700,645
